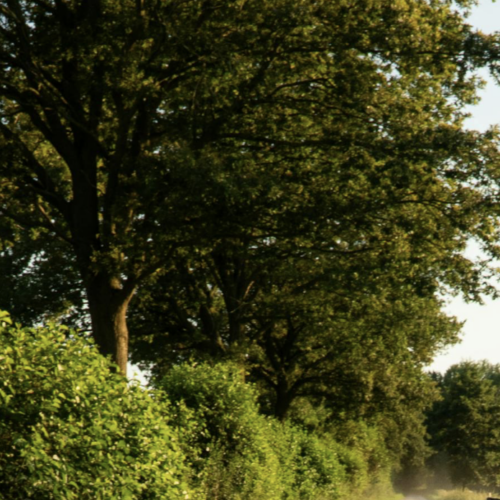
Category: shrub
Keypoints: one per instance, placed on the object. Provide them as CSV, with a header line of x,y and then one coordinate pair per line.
x,y
71,428
316,463
238,453
228,441
368,462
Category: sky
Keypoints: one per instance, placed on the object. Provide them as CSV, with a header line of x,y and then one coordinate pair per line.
x,y
481,332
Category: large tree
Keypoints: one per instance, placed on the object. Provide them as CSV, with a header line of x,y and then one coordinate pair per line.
x,y
336,341
133,130
299,327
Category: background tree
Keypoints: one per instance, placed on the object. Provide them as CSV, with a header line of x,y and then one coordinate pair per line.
x,y
465,424
40,286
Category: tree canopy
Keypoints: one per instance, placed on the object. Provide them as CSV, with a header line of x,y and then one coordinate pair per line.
x,y
321,140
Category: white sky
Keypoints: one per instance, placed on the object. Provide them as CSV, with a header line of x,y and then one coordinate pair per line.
x,y
481,332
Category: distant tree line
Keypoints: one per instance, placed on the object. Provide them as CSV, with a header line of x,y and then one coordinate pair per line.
x,y
464,425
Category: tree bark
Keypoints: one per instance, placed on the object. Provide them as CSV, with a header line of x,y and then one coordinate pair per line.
x,y
283,399
108,304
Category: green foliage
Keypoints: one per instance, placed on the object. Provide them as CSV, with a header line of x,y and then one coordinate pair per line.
x,y
324,139
238,453
464,425
283,183
228,441
71,428
367,443
39,286
321,467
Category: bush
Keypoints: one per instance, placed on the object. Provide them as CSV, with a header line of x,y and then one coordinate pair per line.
x,y
229,443
316,464
369,464
238,453
71,428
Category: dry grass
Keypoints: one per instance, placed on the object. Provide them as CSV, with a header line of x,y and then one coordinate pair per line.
x,y
458,495
377,494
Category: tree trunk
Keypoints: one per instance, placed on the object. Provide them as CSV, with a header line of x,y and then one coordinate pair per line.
x,y
283,399
108,304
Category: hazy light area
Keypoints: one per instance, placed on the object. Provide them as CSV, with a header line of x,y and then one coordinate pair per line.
x,y
135,373
481,332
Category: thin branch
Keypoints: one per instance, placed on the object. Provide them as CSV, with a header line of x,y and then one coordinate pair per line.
x,y
45,185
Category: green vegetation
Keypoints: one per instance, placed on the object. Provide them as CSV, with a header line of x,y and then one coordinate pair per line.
x,y
238,166
262,202
464,425
72,429
239,453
